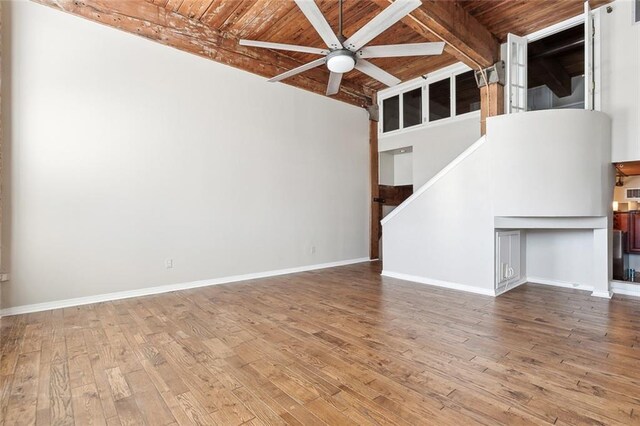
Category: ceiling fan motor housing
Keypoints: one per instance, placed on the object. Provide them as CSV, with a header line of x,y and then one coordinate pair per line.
x,y
341,60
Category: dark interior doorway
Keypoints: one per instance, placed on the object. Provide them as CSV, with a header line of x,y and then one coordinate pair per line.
x,y
556,70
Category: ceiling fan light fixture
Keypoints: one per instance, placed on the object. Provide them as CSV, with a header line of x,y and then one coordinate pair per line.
x,y
341,61
345,54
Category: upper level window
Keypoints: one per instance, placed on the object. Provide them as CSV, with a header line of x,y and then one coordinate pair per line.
x,y
440,100
467,93
449,93
391,114
412,107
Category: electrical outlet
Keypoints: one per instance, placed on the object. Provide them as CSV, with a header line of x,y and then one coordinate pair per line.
x,y
312,250
4,277
168,263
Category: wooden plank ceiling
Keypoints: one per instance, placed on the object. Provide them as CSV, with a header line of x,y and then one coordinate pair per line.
x,y
212,28
523,17
630,168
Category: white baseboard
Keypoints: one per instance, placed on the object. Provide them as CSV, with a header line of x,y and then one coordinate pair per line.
x,y
603,294
628,289
439,283
517,284
558,283
576,286
57,304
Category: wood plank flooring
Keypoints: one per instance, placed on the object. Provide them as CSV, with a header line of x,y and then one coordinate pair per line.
x,y
338,346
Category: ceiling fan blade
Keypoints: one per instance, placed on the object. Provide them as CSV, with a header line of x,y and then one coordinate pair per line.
x,y
395,50
392,14
334,83
318,21
282,46
375,72
298,70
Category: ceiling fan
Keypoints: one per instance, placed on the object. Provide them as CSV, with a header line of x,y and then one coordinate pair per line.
x,y
345,54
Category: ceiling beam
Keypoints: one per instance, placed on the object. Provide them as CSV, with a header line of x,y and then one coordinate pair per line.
x,y
467,40
172,29
549,71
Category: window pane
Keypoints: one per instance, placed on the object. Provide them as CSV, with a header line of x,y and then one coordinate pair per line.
x,y
440,100
391,114
412,107
467,93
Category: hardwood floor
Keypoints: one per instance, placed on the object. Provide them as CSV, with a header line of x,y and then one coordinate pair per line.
x,y
338,346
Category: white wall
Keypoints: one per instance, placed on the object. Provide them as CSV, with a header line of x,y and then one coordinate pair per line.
x,y
620,50
403,169
436,145
564,256
386,166
122,153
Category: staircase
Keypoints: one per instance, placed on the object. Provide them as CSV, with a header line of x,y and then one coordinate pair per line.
x,y
535,170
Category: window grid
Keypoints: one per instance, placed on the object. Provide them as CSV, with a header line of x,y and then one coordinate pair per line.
x,y
425,102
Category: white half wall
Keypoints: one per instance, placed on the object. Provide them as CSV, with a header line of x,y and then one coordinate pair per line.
x,y
436,145
552,163
121,154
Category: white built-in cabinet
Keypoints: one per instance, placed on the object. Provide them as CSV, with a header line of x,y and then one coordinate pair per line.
x,y
508,258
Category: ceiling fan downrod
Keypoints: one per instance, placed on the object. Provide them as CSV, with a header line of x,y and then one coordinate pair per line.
x,y
340,35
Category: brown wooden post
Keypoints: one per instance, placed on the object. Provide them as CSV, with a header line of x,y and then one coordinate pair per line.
x,y
491,103
376,207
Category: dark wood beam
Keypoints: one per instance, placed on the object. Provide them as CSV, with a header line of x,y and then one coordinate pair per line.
x,y
468,40
172,29
375,230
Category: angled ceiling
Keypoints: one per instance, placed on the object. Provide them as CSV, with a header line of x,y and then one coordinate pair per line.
x,y
212,28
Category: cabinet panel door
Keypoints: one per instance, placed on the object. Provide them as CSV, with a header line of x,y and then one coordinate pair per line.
x,y
504,249
634,233
621,221
514,257
507,260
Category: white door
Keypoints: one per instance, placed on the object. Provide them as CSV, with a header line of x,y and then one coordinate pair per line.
x,y
503,249
516,78
514,258
508,252
589,74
